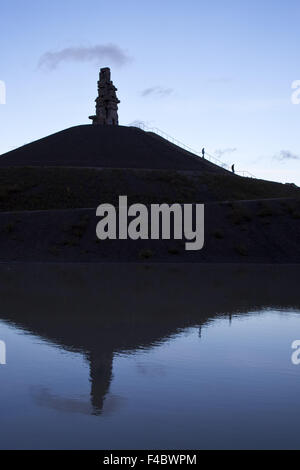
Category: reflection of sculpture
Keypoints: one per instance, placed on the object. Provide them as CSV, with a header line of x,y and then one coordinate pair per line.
x,y
109,308
100,376
107,101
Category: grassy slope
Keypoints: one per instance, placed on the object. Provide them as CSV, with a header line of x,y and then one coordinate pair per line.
x,y
265,231
37,188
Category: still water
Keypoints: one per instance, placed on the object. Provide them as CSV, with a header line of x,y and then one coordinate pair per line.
x,y
203,379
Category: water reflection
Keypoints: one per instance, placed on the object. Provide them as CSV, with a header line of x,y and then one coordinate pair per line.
x,y
43,397
103,310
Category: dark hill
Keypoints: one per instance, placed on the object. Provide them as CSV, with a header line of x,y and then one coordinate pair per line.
x,y
106,147
49,191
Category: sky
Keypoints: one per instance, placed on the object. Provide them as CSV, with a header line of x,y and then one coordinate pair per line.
x,y
210,73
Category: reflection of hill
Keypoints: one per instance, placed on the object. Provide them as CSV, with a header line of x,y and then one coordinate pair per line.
x,y
102,309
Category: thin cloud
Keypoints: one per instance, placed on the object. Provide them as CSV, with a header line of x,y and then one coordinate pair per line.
x,y
220,80
221,152
152,371
157,91
112,404
99,53
286,155
43,397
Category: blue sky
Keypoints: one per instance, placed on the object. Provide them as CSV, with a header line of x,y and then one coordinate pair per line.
x,y
219,73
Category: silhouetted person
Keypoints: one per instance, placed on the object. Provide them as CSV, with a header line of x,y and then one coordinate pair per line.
x,y
203,152
233,169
